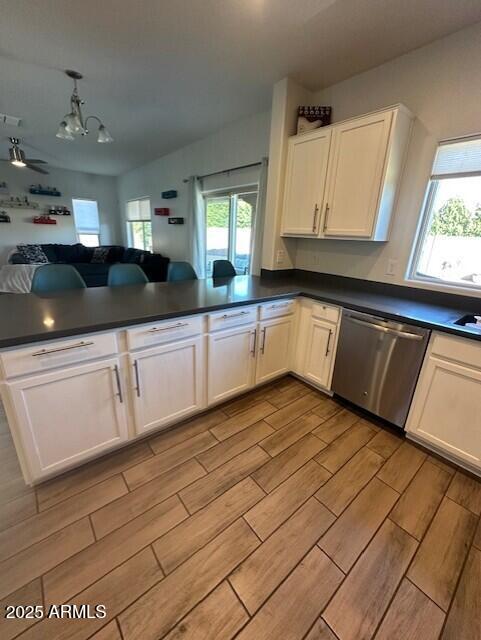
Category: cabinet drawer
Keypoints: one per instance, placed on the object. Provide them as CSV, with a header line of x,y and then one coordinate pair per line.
x,y
462,350
148,335
277,309
60,353
232,317
325,312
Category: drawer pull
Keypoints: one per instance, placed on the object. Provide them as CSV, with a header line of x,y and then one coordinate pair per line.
x,y
263,345
45,352
328,342
137,379
119,387
227,316
171,326
253,350
280,305
314,222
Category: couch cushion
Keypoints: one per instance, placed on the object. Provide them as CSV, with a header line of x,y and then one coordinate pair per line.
x,y
69,253
50,250
135,256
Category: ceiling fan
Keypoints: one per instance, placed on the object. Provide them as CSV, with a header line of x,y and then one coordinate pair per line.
x,y
18,158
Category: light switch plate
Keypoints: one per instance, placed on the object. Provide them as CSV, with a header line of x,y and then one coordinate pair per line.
x,y
391,267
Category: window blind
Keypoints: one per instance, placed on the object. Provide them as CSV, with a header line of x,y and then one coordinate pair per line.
x,y
138,209
461,158
86,215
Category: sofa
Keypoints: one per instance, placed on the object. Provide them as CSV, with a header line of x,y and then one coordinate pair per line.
x,y
93,263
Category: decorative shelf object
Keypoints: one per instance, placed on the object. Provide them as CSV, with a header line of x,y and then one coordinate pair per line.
x,y
4,188
168,195
44,219
38,190
19,203
4,217
58,211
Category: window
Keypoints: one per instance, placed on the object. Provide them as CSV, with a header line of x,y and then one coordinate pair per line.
x,y
230,221
449,244
139,224
86,216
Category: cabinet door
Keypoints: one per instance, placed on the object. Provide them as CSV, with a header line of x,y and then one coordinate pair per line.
x,y
168,383
69,415
305,183
356,172
231,362
273,356
319,355
446,410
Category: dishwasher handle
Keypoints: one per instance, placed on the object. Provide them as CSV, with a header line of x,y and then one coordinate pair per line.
x,y
377,327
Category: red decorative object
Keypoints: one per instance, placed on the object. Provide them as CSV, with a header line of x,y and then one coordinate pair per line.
x,y
44,220
162,211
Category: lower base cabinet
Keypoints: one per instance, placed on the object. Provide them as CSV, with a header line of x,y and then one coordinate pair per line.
x,y
168,383
230,362
319,355
446,409
274,349
69,415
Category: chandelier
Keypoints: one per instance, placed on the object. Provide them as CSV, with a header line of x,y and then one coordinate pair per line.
x,y
74,124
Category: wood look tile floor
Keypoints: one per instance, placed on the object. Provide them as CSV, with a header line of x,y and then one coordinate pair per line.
x,y
281,514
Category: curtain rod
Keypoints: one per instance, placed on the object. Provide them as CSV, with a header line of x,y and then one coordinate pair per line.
x,y
218,173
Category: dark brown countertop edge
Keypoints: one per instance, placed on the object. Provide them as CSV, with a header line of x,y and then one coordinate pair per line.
x,y
420,307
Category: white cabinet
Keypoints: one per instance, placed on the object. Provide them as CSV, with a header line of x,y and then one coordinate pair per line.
x,y
446,409
231,362
68,415
320,350
356,168
305,183
364,161
168,383
273,355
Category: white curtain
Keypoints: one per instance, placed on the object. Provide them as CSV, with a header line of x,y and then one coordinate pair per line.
x,y
197,226
258,234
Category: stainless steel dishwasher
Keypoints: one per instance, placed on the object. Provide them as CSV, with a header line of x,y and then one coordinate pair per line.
x,y
377,364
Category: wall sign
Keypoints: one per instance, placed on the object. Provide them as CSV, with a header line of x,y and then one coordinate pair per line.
x,y
162,211
176,220
168,195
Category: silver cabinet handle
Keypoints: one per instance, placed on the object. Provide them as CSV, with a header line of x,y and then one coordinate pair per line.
x,y
314,221
137,379
171,326
119,386
377,327
263,345
328,342
280,305
227,316
253,350
78,345
326,214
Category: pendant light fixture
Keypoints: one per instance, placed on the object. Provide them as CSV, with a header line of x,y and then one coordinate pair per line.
x,y
73,124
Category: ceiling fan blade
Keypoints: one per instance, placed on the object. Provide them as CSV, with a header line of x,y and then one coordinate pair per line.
x,y
36,161
37,169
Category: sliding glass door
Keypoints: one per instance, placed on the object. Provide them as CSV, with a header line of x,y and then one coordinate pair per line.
x,y
230,221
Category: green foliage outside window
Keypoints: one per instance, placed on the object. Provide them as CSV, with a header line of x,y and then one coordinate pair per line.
x,y
455,219
218,214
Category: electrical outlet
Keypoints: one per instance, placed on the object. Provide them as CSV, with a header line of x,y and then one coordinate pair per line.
x,y
391,267
281,254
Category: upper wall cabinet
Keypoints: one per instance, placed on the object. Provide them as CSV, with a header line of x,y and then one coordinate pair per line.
x,y
305,183
341,181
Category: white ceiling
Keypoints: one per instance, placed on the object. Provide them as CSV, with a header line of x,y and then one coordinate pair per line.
x,y
163,73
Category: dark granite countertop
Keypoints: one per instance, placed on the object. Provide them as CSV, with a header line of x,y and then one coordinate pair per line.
x,y
26,318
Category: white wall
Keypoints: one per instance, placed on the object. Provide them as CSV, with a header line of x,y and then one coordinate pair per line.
x,y
241,143
441,84
71,184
